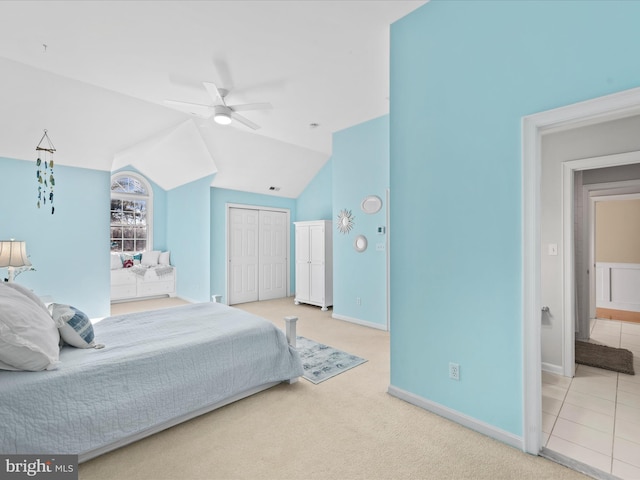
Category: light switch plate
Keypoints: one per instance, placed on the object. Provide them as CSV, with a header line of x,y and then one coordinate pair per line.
x,y
553,249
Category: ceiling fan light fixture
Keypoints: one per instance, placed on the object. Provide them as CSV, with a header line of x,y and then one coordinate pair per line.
x,y
222,115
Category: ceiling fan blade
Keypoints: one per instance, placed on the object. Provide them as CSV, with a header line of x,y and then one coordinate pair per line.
x,y
251,106
195,108
224,73
244,121
214,92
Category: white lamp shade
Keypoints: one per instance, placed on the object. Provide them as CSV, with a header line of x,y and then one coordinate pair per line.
x,y
13,253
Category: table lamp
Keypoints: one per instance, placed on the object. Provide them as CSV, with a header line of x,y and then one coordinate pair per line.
x,y
13,254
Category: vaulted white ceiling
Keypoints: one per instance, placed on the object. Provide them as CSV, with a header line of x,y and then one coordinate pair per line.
x,y
96,75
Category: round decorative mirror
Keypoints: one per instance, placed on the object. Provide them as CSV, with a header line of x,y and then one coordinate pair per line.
x,y
360,244
345,221
371,204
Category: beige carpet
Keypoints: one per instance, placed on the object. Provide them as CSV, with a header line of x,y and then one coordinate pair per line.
x,y
345,428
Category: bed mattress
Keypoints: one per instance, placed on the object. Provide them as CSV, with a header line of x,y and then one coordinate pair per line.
x,y
154,367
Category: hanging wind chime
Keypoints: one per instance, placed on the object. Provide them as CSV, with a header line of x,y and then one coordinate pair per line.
x,y
44,172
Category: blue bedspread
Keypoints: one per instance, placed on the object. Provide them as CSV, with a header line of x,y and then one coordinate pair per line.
x,y
156,366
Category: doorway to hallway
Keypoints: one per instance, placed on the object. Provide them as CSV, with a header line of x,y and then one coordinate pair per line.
x,y
611,107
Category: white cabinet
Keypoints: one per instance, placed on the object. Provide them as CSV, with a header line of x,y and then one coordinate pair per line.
x,y
314,263
125,284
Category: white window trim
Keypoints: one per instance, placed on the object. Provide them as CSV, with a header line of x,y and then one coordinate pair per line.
x,y
129,196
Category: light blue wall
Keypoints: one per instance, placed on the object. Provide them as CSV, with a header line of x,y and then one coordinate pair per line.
x,y
463,74
360,168
219,197
159,218
68,249
314,203
188,238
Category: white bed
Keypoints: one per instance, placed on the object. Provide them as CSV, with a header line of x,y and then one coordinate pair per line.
x,y
156,369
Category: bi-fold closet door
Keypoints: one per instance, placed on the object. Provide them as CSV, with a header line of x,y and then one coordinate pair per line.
x,y
257,254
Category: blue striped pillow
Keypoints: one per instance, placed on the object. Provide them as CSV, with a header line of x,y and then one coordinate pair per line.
x,y
74,326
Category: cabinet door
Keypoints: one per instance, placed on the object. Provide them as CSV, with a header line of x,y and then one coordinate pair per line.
x,y
316,283
302,244
302,263
302,282
316,264
316,244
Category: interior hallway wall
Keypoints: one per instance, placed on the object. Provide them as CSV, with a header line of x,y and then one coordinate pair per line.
x,y
618,231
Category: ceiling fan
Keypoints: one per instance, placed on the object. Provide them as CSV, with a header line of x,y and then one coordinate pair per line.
x,y
221,112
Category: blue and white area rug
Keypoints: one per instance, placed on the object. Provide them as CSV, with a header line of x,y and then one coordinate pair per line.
x,y
321,362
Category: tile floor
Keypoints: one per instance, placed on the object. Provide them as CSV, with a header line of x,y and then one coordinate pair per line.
x,y
595,417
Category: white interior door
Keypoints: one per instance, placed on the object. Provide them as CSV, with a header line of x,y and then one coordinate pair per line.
x,y
272,261
244,228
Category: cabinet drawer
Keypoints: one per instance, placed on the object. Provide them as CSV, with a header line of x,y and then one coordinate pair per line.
x,y
122,277
123,291
156,288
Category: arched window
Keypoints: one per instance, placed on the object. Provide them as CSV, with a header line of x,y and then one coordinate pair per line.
x,y
131,213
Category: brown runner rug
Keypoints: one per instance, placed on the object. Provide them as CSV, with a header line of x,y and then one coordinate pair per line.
x,y
602,356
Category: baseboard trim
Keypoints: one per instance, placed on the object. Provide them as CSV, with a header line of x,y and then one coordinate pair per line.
x,y
551,368
364,323
187,299
455,416
613,314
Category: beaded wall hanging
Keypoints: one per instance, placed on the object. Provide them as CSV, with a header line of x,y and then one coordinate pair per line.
x,y
44,172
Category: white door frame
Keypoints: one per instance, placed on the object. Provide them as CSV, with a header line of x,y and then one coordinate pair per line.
x,y
610,107
229,206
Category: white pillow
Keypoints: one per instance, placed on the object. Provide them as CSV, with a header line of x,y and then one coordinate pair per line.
x,y
74,326
164,258
116,261
28,293
28,336
150,258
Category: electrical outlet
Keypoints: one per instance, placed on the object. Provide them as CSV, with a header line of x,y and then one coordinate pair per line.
x,y
358,301
454,371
